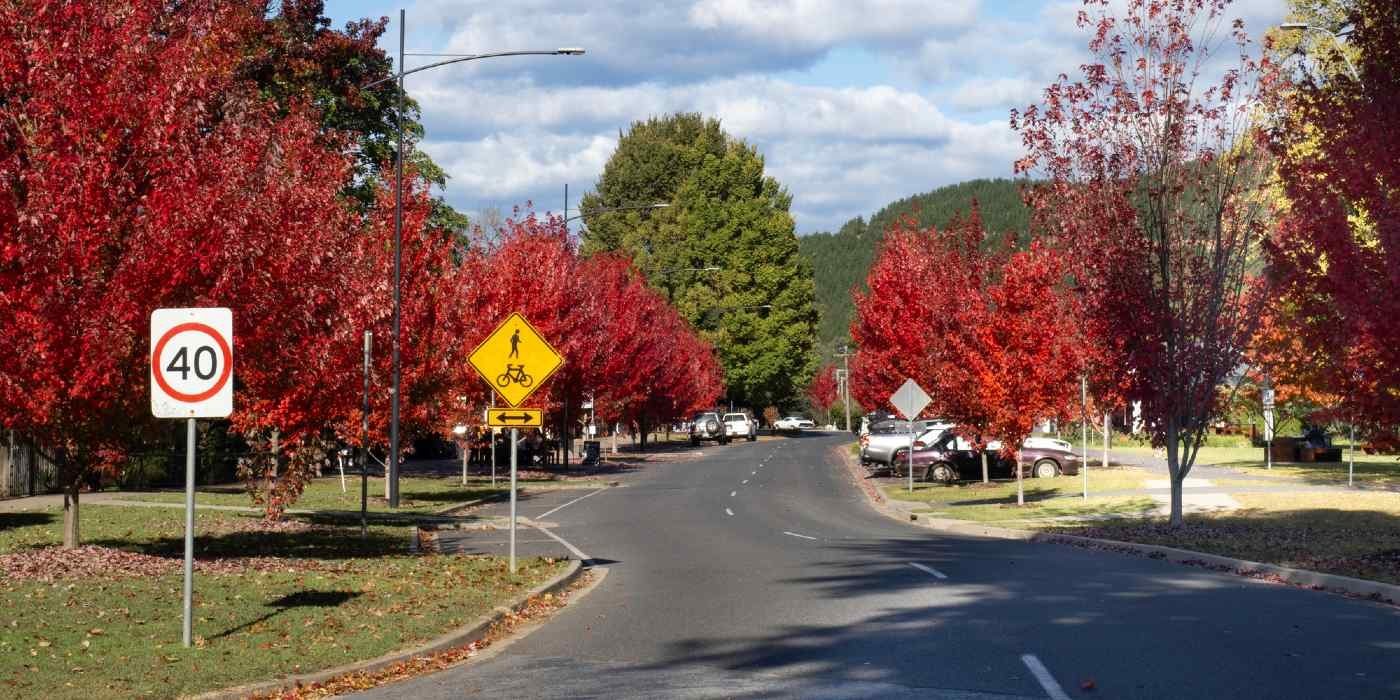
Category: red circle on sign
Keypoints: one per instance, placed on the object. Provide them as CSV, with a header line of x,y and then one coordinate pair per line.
x,y
223,376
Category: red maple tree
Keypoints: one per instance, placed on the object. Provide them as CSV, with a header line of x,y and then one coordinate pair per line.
x,y
1153,187
1335,255
822,392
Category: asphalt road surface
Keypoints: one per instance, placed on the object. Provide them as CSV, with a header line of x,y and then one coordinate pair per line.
x,y
760,571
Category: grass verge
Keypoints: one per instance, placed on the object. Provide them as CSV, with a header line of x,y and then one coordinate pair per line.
x,y
1347,533
293,600
417,494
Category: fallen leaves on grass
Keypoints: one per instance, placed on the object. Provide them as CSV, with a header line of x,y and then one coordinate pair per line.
x,y
49,564
534,608
53,563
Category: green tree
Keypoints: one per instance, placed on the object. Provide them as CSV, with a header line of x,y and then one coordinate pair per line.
x,y
757,308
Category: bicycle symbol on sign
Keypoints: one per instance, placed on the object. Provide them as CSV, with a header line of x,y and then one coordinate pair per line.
x,y
514,373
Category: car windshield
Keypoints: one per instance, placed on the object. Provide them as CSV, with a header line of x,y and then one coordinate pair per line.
x,y
735,416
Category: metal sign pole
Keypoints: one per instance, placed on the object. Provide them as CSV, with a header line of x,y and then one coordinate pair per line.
x,y
1084,430
493,447
514,438
364,446
911,457
189,532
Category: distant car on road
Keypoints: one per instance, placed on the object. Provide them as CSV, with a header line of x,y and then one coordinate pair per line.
x,y
948,458
740,426
793,423
707,426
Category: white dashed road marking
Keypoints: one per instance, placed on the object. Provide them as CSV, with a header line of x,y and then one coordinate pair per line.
x,y
731,493
728,511
1047,681
794,534
928,570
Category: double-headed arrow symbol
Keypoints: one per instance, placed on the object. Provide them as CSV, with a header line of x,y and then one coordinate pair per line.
x,y
509,418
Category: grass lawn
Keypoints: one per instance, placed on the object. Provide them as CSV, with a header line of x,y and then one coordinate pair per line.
x,y
314,597
1371,470
417,494
1004,491
1348,533
1045,498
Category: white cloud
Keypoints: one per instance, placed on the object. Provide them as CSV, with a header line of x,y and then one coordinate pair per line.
x,y
843,143
828,22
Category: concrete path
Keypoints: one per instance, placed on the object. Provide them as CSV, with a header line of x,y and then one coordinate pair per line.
x,y
760,571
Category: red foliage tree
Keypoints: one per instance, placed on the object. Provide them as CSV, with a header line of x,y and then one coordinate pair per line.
x,y
1335,255
139,170
623,344
1153,187
991,340
822,391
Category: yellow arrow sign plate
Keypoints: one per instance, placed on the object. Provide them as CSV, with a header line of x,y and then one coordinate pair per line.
x,y
515,417
515,359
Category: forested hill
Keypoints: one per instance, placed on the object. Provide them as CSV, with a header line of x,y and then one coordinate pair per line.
x,y
841,260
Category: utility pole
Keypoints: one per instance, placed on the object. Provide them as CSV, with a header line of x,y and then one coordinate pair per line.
x,y
846,382
391,485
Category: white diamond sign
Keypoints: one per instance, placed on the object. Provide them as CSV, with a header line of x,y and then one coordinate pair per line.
x,y
910,399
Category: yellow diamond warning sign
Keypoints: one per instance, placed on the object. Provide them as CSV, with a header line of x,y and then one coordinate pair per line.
x,y
514,417
515,359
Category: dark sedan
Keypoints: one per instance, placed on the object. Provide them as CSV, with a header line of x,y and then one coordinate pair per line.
x,y
951,458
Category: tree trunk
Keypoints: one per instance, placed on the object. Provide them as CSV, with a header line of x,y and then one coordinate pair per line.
x,y
70,515
1174,472
986,476
1020,483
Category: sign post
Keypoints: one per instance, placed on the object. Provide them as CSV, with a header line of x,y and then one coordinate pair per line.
x,y
910,400
1268,404
515,360
191,369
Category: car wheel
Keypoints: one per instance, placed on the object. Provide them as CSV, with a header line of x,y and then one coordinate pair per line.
x,y
1046,469
940,473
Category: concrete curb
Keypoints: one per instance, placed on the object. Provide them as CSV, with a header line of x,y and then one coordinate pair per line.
x,y
456,638
1302,578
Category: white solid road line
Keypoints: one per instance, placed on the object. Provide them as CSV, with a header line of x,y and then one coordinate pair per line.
x,y
1041,674
928,570
794,534
728,511
566,505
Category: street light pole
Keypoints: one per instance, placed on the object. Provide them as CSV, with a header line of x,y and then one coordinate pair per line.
x,y
846,382
391,489
391,477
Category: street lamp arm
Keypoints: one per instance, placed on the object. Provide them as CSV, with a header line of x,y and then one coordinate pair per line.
x,y
1336,39
473,57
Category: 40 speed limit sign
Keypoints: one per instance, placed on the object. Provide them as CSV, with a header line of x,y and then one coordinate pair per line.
x,y
192,363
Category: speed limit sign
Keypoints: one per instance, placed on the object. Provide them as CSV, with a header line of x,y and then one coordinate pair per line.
x,y
192,363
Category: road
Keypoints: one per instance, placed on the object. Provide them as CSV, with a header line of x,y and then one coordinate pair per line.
x,y
760,571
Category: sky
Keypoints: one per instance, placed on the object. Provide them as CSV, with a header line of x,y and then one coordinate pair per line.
x,y
853,103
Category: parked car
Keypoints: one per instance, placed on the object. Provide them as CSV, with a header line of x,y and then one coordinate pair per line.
x,y
740,426
949,457
707,426
793,423
878,448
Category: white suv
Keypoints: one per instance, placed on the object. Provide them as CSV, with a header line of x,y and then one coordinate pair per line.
x,y
739,425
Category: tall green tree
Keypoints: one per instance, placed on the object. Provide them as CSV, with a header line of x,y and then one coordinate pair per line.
x,y
757,308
